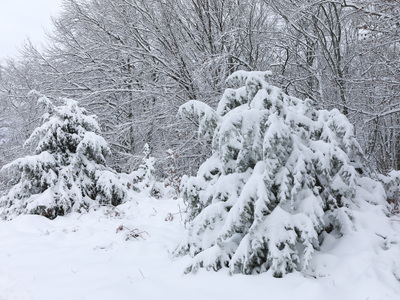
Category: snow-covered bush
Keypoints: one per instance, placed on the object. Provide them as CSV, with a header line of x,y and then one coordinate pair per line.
x,y
143,177
281,177
391,182
173,180
147,165
67,171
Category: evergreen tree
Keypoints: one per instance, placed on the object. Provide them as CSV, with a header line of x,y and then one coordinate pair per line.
x,y
67,171
144,175
281,177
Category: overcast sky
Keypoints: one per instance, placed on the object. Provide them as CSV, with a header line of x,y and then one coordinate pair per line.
x,y
20,19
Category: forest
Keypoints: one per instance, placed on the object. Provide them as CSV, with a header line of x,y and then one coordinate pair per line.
x,y
257,136
133,63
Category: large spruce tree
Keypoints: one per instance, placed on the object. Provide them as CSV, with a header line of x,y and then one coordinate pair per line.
x,y
282,175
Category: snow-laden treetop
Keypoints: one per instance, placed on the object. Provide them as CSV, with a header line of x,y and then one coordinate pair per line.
x,y
282,175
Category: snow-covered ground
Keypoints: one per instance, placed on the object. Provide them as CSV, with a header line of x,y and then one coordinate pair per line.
x,y
90,256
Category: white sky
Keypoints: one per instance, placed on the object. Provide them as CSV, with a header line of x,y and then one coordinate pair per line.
x,y
20,19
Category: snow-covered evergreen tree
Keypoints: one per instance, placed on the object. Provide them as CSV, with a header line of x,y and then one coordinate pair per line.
x,y
67,171
281,177
391,183
144,175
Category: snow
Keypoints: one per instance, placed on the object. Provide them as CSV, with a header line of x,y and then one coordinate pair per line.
x,y
304,152
202,114
86,256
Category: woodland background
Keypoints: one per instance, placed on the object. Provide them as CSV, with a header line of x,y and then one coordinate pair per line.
x,y
134,62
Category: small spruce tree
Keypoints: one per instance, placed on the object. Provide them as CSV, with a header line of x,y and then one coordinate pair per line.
x,y
282,175
67,171
144,175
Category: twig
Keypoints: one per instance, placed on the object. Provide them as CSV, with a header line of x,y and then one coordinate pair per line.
x,y
170,216
142,274
132,233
